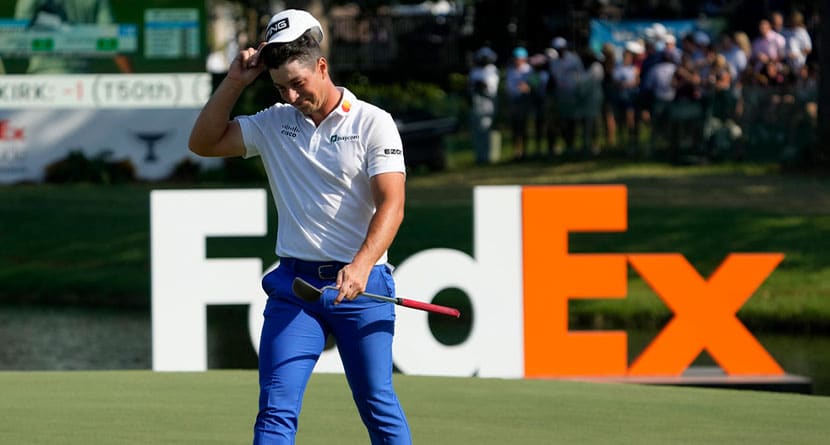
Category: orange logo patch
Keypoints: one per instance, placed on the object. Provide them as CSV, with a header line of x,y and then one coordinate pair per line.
x,y
346,106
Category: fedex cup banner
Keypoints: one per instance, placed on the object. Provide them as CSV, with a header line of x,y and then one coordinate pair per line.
x,y
519,280
145,118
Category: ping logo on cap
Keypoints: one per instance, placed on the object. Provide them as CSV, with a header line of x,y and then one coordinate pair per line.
x,y
276,27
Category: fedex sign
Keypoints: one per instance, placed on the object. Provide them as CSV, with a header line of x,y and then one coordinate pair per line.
x,y
519,281
523,276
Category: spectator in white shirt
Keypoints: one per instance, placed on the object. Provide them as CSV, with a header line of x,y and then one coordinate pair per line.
x,y
799,43
483,89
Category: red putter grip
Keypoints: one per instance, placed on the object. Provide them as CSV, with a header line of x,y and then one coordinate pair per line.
x,y
429,307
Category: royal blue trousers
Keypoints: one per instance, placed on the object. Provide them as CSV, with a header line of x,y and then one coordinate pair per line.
x,y
293,336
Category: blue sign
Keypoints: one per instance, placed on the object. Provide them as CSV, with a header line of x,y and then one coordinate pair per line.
x,y
620,32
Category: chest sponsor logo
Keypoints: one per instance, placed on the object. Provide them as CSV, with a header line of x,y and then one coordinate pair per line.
x,y
290,130
352,138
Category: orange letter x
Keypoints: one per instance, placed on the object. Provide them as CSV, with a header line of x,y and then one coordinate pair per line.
x,y
704,314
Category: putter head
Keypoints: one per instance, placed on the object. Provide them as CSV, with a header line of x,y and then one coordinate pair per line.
x,y
305,290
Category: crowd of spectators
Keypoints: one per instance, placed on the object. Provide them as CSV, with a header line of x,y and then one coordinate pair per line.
x,y
692,95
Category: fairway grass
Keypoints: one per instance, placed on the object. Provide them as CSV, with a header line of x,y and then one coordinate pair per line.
x,y
218,407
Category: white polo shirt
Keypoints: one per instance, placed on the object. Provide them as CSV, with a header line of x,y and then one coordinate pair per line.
x,y
319,175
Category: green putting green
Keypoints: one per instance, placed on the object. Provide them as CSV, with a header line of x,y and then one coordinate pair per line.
x,y
218,407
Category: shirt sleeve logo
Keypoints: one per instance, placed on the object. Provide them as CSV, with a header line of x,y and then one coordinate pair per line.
x,y
392,151
290,130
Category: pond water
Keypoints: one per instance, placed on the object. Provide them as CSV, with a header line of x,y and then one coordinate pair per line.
x,y
46,338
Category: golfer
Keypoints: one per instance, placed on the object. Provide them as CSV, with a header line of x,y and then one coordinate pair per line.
x,y
336,171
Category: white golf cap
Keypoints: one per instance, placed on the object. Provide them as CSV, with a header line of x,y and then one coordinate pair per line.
x,y
559,43
634,47
701,38
290,24
659,30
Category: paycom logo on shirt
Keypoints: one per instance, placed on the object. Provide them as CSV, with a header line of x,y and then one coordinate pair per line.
x,y
335,138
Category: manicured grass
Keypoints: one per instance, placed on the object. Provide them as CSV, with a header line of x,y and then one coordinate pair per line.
x,y
74,243
90,244
218,407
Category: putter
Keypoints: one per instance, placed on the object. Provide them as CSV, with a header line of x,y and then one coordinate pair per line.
x,y
308,292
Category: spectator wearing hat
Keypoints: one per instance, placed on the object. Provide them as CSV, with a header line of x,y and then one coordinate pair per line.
x,y
700,49
538,81
671,48
626,80
565,74
483,84
657,84
519,99
552,127
650,59
566,68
